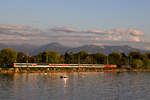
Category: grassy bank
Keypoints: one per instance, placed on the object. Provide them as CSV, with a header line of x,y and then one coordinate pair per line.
x,y
54,70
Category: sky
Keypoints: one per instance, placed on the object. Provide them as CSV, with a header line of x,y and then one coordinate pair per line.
x,y
75,22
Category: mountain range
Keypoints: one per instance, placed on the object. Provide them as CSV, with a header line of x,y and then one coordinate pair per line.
x,y
33,50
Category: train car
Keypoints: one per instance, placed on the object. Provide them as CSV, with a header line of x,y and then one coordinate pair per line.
x,y
58,65
110,66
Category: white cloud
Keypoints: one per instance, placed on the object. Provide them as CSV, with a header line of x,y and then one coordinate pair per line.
x,y
135,32
63,29
132,32
108,32
30,34
18,30
135,39
12,27
100,32
111,38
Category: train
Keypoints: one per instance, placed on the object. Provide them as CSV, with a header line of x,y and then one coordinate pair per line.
x,y
63,65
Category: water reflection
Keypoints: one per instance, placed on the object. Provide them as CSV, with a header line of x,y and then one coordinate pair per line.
x,y
65,82
78,86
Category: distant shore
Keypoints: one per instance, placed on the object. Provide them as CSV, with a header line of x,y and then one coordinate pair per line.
x,y
55,70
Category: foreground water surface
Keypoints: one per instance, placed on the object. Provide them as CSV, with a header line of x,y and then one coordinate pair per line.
x,y
78,86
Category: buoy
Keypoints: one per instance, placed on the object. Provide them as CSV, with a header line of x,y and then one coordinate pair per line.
x,y
63,77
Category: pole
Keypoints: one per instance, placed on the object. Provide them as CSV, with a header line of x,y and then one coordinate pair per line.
x,y
107,59
78,59
129,60
46,58
27,60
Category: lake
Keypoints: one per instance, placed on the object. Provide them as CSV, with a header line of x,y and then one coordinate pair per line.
x,y
78,86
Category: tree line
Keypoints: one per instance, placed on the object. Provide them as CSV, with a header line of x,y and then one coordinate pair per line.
x,y
135,59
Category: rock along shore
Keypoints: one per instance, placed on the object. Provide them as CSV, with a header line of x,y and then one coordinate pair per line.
x,y
55,70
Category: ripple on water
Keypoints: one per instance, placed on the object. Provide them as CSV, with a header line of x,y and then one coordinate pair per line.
x,y
78,86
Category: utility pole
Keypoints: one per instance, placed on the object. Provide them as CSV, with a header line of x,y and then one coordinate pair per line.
x,y
92,60
27,61
129,60
78,59
46,58
107,59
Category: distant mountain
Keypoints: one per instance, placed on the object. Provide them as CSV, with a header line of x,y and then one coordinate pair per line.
x,y
104,49
89,48
51,47
26,48
33,50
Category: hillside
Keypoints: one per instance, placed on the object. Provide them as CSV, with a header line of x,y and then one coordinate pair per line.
x,y
33,50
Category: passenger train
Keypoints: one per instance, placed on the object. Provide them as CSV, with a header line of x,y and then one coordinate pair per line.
x,y
64,65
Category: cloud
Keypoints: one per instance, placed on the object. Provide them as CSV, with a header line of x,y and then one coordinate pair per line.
x,y
30,31
29,34
135,32
111,38
100,32
18,30
5,37
12,27
135,39
63,29
132,32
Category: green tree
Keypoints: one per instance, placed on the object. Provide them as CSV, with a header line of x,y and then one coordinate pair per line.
x,y
137,63
50,57
115,58
99,58
8,57
62,59
148,55
21,57
45,56
38,58
81,57
69,58
88,59
124,59
134,55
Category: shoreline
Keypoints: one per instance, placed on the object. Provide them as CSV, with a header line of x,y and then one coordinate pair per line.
x,y
68,70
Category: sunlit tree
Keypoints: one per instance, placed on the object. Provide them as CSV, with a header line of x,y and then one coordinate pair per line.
x,y
8,57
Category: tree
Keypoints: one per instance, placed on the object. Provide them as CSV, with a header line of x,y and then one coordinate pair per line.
x,y
50,57
134,56
69,58
99,58
81,57
21,57
148,55
38,58
124,59
61,59
45,56
137,63
8,57
115,58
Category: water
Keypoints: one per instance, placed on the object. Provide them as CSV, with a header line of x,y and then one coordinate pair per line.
x,y
79,86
